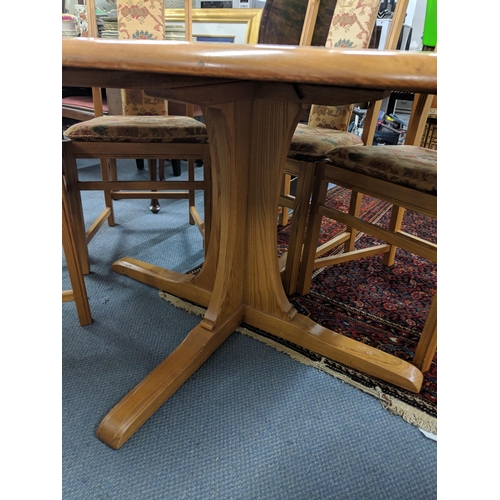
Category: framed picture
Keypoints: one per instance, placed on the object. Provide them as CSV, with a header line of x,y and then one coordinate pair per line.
x,y
222,25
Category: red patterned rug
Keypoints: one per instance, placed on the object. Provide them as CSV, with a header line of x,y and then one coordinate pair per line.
x,y
384,307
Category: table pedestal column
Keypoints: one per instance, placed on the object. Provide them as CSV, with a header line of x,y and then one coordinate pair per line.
x,y
240,279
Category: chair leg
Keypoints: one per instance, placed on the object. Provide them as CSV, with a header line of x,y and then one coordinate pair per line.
x,y
176,167
78,292
155,204
75,205
161,170
140,164
427,345
285,191
299,222
191,195
354,210
397,214
109,173
312,232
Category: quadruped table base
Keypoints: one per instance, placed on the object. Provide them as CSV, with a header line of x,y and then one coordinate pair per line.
x,y
249,131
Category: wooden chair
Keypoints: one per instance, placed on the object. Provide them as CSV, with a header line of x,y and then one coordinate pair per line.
x,y
327,127
149,24
130,137
78,292
406,177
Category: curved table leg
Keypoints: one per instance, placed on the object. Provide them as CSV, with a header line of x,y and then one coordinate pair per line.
x,y
181,285
140,403
240,280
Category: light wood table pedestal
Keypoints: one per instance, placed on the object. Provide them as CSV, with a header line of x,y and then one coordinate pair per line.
x,y
250,124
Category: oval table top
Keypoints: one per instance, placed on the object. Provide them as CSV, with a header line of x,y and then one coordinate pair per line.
x,y
363,69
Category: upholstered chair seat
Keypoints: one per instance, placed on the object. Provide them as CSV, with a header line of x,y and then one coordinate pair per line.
x,y
409,166
163,129
314,143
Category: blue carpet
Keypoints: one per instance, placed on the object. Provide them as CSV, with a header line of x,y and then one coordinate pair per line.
x,y
251,423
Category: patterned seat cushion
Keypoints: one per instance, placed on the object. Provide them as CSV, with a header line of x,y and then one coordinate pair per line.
x,y
314,143
409,166
178,129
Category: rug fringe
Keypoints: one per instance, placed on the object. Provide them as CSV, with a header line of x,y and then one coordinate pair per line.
x,y
406,412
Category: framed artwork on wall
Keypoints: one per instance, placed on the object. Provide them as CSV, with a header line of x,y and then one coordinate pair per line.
x,y
229,25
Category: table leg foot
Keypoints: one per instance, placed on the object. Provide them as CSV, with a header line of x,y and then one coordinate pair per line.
x,y
308,334
141,402
178,284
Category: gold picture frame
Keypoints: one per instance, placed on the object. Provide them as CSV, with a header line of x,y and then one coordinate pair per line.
x,y
243,24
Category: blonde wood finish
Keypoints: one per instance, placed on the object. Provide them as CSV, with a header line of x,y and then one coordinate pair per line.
x,y
395,224
305,172
393,235
402,198
419,112
141,402
292,258
286,200
354,208
188,33
114,189
108,152
78,114
359,184
427,344
115,59
78,292
249,138
309,22
418,118
188,20
397,21
420,108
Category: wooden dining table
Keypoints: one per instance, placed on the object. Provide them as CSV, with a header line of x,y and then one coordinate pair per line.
x,y
252,98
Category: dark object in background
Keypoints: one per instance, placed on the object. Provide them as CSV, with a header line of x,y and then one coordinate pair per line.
x,y
385,137
282,22
391,130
